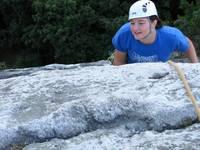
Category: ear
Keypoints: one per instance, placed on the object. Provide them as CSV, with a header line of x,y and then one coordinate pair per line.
x,y
154,23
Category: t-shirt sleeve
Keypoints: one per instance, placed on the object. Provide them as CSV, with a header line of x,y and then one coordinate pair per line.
x,y
182,42
119,41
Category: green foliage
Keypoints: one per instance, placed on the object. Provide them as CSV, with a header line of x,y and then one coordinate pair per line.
x,y
27,60
189,23
71,31
14,17
2,65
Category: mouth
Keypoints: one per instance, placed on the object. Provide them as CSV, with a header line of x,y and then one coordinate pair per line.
x,y
137,33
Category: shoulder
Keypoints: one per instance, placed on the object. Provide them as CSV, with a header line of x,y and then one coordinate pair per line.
x,y
169,31
174,37
125,29
121,38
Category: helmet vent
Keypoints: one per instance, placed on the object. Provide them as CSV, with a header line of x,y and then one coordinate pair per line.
x,y
144,8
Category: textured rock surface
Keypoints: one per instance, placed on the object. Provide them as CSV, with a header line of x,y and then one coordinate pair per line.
x,y
121,138
100,104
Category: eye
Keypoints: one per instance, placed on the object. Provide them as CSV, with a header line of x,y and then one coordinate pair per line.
x,y
141,23
132,23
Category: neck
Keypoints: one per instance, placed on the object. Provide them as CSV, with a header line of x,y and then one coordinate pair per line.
x,y
150,38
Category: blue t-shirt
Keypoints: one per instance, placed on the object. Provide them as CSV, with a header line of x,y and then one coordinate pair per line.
x,y
168,39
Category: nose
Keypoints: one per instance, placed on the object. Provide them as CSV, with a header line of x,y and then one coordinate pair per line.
x,y
134,27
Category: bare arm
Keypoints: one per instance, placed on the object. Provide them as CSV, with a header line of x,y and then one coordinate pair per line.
x,y
120,58
191,53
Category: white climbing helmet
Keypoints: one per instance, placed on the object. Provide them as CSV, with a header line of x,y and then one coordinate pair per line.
x,y
142,8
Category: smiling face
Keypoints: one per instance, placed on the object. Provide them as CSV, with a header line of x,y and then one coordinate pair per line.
x,y
141,27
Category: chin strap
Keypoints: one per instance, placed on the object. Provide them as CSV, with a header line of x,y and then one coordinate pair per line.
x,y
187,87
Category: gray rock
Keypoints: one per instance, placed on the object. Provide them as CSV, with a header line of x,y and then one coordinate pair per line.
x,y
120,138
66,102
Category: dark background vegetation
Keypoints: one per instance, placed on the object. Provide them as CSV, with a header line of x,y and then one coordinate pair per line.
x,y
41,32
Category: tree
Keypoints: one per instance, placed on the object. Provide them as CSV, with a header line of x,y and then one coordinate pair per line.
x,y
190,21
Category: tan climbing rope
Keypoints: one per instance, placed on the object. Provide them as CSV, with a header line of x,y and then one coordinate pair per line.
x,y
187,87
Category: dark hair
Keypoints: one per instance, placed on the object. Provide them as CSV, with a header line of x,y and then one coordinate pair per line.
x,y
159,23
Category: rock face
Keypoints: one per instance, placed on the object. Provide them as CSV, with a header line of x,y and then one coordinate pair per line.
x,y
99,106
